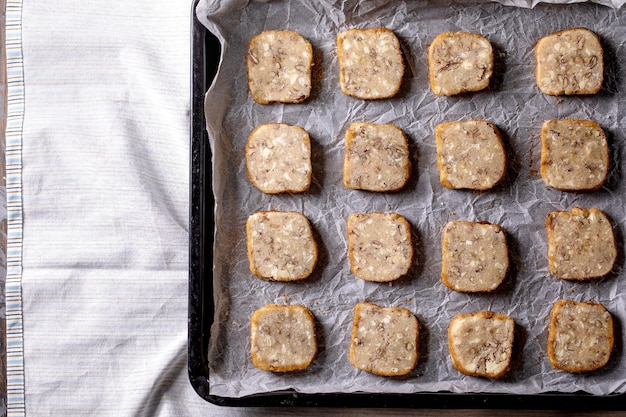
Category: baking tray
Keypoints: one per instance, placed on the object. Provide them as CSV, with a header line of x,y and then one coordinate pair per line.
x,y
205,53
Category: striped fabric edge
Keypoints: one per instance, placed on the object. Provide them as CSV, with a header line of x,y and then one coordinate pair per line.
x,y
14,122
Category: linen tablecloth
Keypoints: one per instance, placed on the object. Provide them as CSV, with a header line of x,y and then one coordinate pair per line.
x,y
97,184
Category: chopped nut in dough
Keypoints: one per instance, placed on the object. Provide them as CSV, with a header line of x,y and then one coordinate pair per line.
x,y
580,336
581,244
470,154
385,340
379,246
281,246
278,158
376,157
282,338
279,67
370,63
459,62
481,343
569,62
474,256
574,154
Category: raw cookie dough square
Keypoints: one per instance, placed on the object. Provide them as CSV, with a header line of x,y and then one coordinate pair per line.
x,y
379,246
385,340
376,157
370,63
470,154
474,256
574,154
278,158
481,343
279,67
282,338
459,62
569,62
580,336
281,246
581,244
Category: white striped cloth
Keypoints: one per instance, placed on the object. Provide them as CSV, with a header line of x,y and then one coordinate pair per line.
x,y
97,201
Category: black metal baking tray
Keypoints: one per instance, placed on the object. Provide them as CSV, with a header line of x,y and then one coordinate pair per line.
x,y
205,52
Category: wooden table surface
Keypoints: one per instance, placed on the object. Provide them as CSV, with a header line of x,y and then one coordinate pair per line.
x,y
282,411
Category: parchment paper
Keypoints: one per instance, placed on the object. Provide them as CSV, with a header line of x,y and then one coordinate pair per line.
x,y
519,205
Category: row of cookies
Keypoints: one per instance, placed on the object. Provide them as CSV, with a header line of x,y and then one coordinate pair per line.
x,y
279,64
474,255
386,340
470,155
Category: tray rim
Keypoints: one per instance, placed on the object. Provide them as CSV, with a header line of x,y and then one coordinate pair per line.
x,y
201,305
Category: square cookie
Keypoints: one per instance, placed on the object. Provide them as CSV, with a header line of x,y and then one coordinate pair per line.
x,y
581,244
580,336
459,62
474,256
470,154
279,67
569,62
282,338
574,154
281,246
385,340
481,343
278,158
370,63
376,157
379,246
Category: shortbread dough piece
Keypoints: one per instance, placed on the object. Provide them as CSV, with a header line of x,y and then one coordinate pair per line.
x,y
481,343
385,340
282,338
581,244
376,157
470,154
278,158
459,62
474,256
379,246
574,154
281,246
279,67
580,337
370,63
569,62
